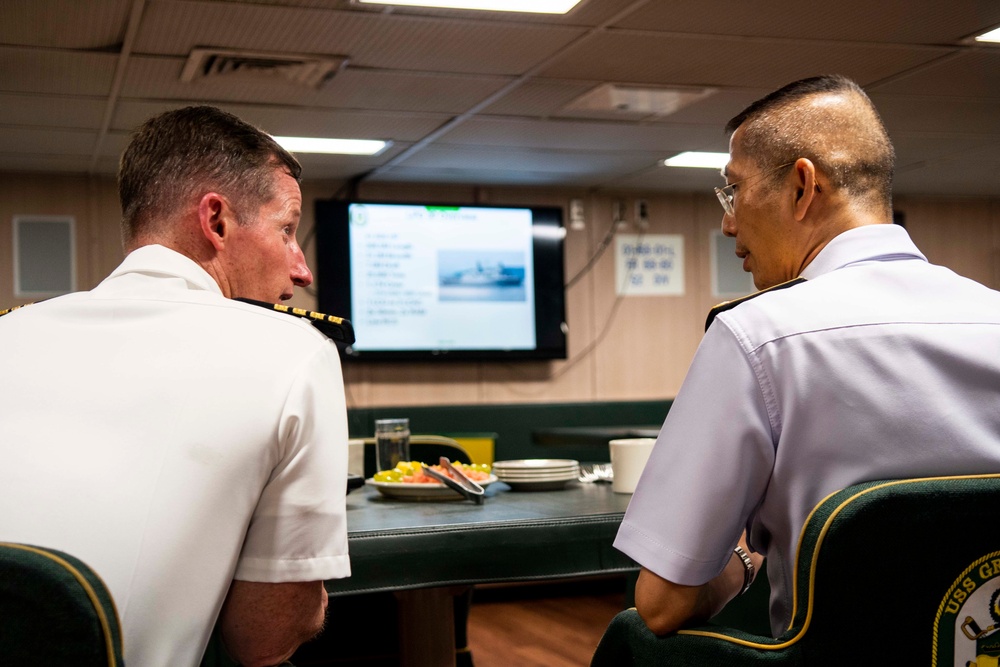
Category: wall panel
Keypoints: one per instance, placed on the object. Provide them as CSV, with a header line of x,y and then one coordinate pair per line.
x,y
642,352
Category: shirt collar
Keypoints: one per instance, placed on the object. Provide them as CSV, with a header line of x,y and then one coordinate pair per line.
x,y
160,260
868,243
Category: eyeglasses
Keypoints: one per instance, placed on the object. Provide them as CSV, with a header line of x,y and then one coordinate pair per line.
x,y
726,192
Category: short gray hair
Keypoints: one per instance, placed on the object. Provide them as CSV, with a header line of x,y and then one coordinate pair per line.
x,y
848,142
176,154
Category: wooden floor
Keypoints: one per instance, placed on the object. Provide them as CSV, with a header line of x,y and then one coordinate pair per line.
x,y
540,632
525,625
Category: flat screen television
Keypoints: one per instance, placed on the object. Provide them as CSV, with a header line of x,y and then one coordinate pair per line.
x,y
426,281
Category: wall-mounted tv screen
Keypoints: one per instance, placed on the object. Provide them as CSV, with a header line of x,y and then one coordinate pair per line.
x,y
422,281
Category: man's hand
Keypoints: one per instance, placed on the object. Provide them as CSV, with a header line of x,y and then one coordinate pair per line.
x,y
666,607
263,624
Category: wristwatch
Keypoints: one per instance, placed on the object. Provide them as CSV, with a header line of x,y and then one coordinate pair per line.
x,y
748,568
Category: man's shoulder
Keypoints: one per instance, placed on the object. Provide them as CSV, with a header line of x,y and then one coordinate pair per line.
x,y
336,328
265,320
733,303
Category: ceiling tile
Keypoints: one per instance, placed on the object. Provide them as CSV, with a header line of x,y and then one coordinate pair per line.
x,y
914,22
582,135
369,40
671,179
66,24
409,91
51,111
539,97
924,113
47,141
586,13
971,73
500,158
479,176
710,61
32,70
286,121
53,164
148,76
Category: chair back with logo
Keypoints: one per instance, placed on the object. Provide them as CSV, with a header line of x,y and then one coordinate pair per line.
x,y
55,611
899,572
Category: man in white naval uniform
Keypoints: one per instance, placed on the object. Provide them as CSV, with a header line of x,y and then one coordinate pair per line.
x,y
189,447
871,363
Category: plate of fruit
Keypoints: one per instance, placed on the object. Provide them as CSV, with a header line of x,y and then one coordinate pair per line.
x,y
407,481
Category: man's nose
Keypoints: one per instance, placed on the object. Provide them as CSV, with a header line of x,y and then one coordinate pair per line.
x,y
300,274
728,225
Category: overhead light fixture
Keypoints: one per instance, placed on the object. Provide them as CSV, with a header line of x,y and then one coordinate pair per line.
x,y
532,6
698,159
332,146
991,36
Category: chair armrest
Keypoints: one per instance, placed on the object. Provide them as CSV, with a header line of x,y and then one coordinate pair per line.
x,y
627,641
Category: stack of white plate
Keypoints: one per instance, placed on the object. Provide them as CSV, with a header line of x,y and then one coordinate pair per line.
x,y
537,474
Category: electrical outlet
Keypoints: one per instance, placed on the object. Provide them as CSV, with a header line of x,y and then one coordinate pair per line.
x,y
618,212
577,214
641,217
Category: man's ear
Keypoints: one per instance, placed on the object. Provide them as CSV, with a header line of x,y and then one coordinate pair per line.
x,y
215,218
806,187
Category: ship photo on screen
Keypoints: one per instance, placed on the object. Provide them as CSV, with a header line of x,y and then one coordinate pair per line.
x,y
429,280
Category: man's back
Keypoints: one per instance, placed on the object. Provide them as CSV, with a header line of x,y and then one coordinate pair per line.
x,y
875,370
148,424
878,366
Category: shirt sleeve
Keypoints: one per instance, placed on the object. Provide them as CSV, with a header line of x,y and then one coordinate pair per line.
x,y
298,531
708,470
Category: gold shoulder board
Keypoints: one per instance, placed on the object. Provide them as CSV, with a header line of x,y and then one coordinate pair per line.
x,y
726,305
336,328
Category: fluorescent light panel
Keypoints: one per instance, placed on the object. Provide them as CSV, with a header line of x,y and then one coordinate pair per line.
x,y
698,159
332,146
991,36
532,6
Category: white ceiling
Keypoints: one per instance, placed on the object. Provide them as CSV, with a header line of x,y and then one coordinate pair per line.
x,y
479,98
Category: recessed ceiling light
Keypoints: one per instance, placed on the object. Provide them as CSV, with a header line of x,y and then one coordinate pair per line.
x,y
533,6
991,36
698,159
333,146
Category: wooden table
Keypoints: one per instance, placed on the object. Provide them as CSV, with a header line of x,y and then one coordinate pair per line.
x,y
426,551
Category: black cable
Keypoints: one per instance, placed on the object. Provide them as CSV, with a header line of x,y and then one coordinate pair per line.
x,y
604,244
590,347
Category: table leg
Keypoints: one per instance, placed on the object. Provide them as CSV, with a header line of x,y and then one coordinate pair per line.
x,y
427,627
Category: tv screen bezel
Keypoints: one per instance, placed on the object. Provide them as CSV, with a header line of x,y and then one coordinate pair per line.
x,y
333,280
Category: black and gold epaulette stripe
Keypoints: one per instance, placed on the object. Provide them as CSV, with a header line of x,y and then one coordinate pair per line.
x,y
12,309
726,305
336,328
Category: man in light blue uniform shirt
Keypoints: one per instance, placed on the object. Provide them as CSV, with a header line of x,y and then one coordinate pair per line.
x,y
871,363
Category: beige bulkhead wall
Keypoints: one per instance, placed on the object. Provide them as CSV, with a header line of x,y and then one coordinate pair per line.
x,y
639,349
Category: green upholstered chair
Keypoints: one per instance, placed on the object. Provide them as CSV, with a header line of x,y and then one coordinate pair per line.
x,y
902,572
55,611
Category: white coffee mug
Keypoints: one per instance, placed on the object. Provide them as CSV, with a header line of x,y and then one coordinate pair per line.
x,y
628,458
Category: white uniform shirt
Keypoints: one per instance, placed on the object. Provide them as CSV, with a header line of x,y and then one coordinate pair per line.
x,y
881,365
173,440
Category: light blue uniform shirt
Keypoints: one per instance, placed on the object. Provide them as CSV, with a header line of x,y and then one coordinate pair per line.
x,y
880,366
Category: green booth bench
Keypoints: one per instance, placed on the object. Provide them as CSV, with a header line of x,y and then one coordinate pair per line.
x,y
523,430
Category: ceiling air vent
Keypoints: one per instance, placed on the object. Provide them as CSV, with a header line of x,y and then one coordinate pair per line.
x,y
634,101
305,70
